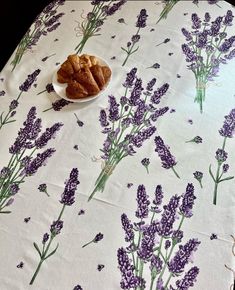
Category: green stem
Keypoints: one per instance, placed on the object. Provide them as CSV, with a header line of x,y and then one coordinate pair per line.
x,y
36,272
173,169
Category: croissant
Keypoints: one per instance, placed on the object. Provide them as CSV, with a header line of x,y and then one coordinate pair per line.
x,y
63,76
85,78
74,59
75,90
97,73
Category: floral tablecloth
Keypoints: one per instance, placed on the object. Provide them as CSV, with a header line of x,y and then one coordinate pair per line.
x,y
135,189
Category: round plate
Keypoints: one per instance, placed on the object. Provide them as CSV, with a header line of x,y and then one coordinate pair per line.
x,y
60,88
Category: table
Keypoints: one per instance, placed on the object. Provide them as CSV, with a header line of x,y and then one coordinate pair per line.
x,y
135,189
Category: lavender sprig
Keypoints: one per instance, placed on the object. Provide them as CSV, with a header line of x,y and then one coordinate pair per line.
x,y
96,239
95,19
151,245
168,160
23,162
58,105
141,23
44,23
49,89
127,124
196,140
198,175
67,199
207,47
24,87
227,131
145,162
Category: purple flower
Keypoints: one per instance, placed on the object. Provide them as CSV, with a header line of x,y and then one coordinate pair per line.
x,y
2,93
136,92
145,162
168,217
129,280
103,118
38,161
113,109
167,244
142,202
100,267
127,227
68,196
156,264
229,125
156,97
215,26
221,155
183,256
129,185
130,78
142,136
29,81
198,175
14,104
190,55
14,188
26,220
157,198
59,104
188,280
177,236
5,172
188,201
98,238
228,19
187,34
151,84
158,113
121,20
56,227
145,251
116,6
20,265
78,287
45,238
168,160
141,19
81,212
213,237
225,168
135,38
196,21
196,140
49,88
48,135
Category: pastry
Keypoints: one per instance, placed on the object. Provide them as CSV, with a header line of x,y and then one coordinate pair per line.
x,y
63,77
97,73
75,90
106,72
85,78
74,59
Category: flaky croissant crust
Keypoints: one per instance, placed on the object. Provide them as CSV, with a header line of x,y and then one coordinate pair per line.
x,y
84,75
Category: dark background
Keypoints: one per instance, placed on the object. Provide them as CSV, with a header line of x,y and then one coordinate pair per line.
x,y
15,18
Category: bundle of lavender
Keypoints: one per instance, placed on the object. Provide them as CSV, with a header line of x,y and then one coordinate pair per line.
x,y
91,25
153,242
23,162
44,23
208,46
129,123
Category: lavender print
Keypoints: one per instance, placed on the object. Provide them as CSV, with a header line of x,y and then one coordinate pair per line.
x,y
46,57
128,123
96,239
58,105
94,20
24,161
49,88
67,199
154,244
227,131
196,140
44,23
43,188
145,162
198,175
130,47
208,46
168,160
8,117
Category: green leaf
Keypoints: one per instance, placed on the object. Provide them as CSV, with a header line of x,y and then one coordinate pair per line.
x,y
124,49
135,50
6,211
1,117
211,174
38,250
52,253
10,121
227,178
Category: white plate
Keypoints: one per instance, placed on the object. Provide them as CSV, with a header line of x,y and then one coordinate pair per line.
x,y
60,88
